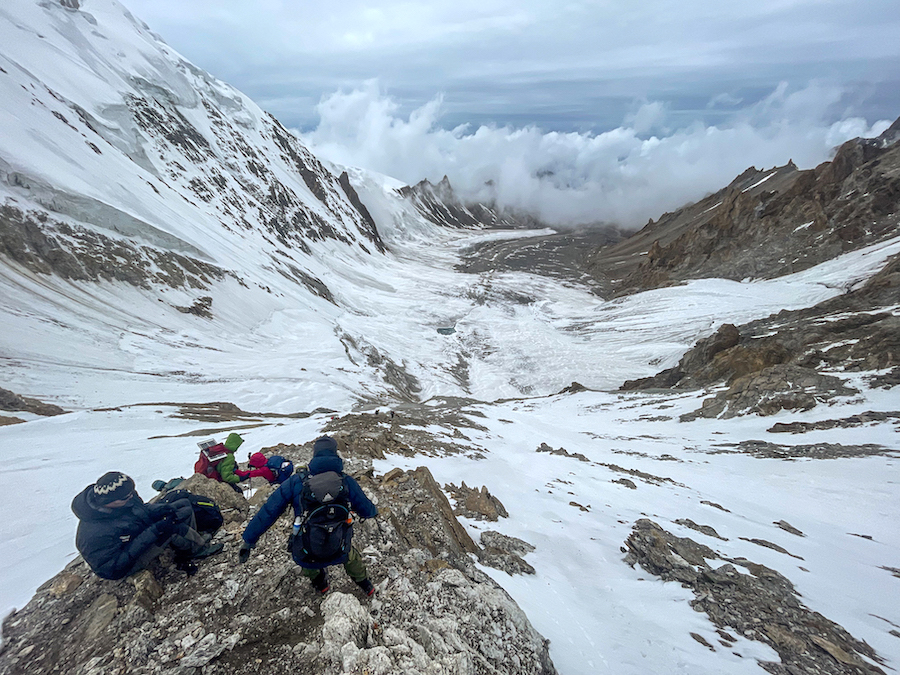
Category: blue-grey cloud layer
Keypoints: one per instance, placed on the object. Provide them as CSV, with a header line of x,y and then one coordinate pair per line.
x,y
578,111
581,65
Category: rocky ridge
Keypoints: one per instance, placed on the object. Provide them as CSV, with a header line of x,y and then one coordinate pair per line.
x,y
442,206
793,360
759,604
434,610
766,223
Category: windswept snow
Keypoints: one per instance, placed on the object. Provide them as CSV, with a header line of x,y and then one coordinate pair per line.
x,y
121,358
600,615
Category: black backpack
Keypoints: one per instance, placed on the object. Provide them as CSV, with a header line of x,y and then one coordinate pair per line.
x,y
325,529
206,513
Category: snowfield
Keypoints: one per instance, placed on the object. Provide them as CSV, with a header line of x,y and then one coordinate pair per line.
x,y
120,358
600,615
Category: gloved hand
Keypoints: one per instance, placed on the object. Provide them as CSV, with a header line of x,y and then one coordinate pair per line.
x,y
244,552
164,527
166,509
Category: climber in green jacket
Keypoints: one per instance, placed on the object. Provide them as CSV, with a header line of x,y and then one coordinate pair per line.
x,y
218,462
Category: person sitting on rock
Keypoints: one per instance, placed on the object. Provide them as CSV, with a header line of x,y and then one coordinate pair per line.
x,y
258,467
118,534
322,499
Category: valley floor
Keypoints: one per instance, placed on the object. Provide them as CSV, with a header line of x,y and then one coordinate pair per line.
x,y
626,456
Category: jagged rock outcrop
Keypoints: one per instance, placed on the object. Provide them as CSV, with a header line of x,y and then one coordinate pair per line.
x,y
857,330
434,610
759,604
766,224
476,503
442,206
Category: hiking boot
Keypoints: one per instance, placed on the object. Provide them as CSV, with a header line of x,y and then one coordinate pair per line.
x,y
186,566
320,583
366,586
209,550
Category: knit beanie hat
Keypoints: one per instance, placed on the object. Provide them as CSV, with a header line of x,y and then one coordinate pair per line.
x,y
324,444
257,460
233,442
111,487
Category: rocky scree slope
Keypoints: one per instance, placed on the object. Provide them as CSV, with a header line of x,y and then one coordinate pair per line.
x,y
766,224
759,603
434,611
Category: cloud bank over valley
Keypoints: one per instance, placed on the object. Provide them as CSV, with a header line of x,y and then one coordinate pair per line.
x,y
627,175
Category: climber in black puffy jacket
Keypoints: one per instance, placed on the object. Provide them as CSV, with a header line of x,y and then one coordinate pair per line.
x,y
118,534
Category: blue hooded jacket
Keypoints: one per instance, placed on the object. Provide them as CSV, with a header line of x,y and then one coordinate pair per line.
x,y
325,458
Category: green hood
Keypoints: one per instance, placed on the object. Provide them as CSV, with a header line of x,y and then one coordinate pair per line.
x,y
233,442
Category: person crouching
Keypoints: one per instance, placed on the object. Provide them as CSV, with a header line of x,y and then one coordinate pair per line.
x,y
119,535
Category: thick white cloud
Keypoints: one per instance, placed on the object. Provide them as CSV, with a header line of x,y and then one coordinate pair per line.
x,y
580,110
624,175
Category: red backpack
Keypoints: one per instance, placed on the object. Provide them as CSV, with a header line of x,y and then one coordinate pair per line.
x,y
211,453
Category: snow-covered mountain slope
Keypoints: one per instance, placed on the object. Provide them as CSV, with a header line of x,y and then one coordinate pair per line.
x,y
165,242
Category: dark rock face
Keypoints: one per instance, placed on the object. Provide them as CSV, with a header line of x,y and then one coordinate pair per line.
x,y
766,223
14,403
49,246
433,611
771,390
760,605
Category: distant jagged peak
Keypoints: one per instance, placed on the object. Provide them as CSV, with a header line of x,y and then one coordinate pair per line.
x,y
442,205
890,135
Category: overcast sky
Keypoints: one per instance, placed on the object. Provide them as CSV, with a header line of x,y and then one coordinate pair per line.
x,y
589,67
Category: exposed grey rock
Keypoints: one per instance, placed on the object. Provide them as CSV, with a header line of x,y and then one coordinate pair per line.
x,y
886,381
867,417
764,449
760,605
47,245
200,307
787,527
708,530
505,543
769,544
476,503
771,390
434,611
543,447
